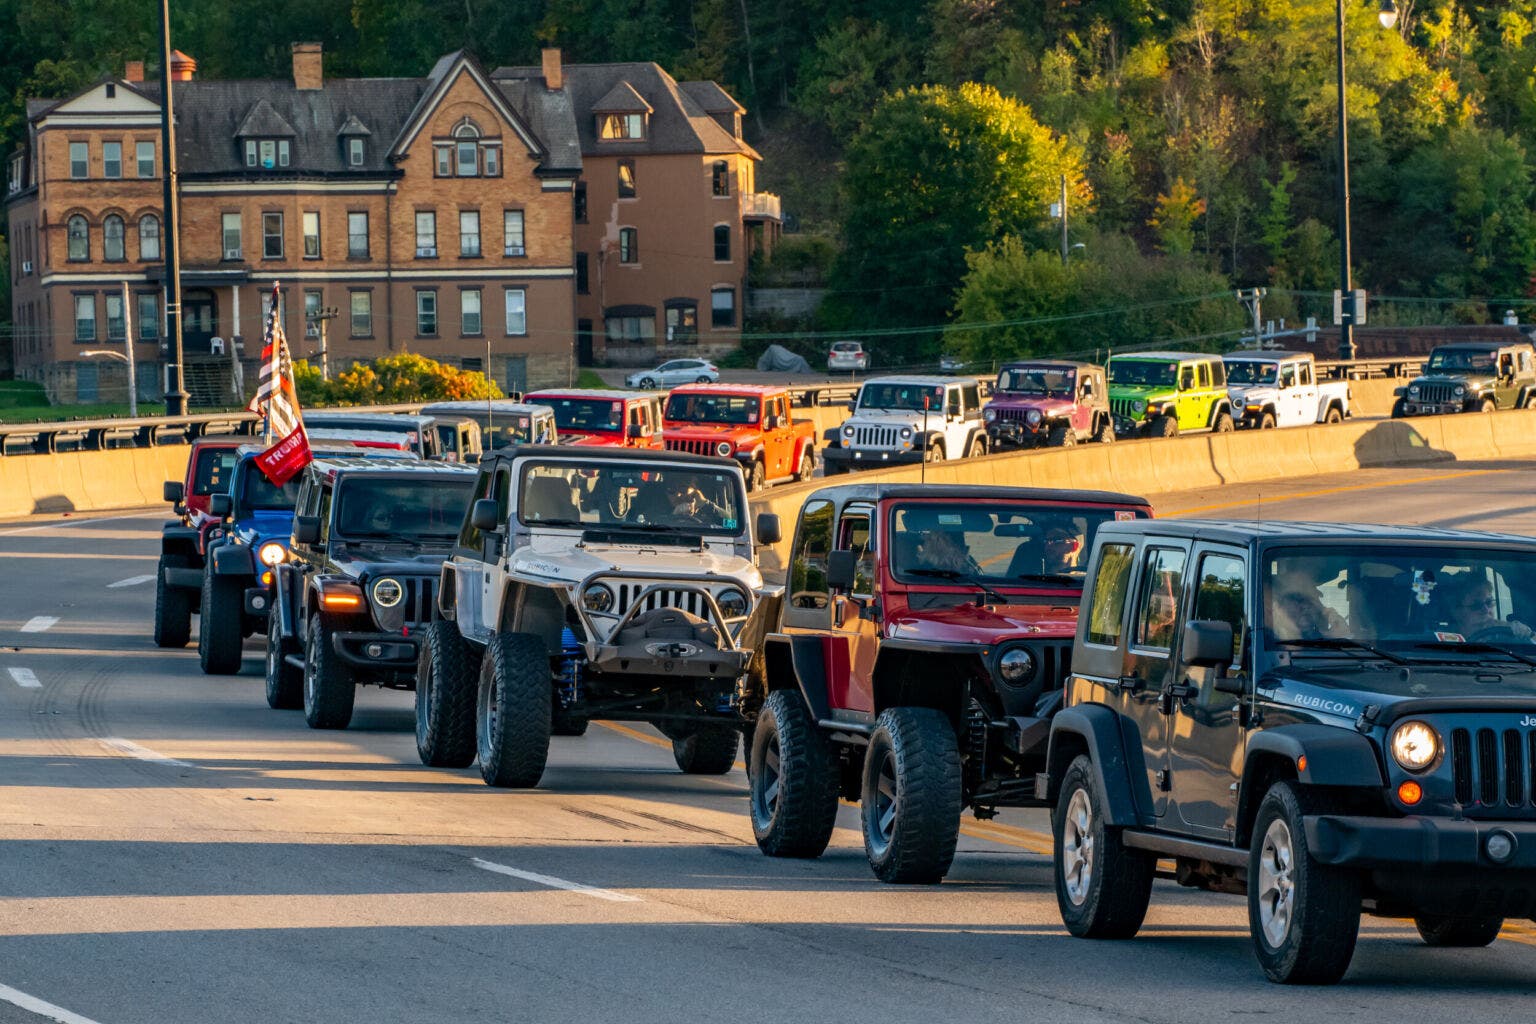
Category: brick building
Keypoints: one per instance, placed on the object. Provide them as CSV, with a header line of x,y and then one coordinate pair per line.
x,y
435,215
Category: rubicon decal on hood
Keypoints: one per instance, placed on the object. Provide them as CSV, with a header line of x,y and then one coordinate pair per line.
x,y
1332,707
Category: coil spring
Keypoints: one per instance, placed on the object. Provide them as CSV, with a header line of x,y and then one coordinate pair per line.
x,y
571,659
974,748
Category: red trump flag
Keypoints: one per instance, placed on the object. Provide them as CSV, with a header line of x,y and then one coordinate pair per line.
x,y
278,404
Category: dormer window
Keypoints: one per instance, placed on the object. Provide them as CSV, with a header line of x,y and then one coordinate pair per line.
x,y
468,154
621,126
267,154
354,152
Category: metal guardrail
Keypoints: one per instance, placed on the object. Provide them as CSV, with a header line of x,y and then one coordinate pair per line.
x,y
1360,369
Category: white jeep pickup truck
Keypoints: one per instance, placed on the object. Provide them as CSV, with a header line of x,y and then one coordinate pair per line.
x,y
1281,389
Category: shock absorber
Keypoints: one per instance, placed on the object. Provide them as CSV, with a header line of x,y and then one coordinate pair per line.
x,y
974,752
571,659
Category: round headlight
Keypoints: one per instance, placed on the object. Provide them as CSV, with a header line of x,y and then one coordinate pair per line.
x,y
1461,389
271,553
847,431
1016,665
597,598
1415,746
906,431
1139,405
387,592
733,603
723,448
1413,389
1033,416
989,414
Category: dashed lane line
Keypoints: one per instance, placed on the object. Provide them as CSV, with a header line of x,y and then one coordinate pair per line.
x,y
131,581
41,1007
1282,498
555,883
39,623
132,749
25,678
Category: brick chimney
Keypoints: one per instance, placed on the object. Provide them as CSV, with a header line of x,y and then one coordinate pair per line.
x,y
133,71
553,80
307,72
182,67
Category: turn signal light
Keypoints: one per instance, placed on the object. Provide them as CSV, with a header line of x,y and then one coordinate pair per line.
x,y
1410,792
341,600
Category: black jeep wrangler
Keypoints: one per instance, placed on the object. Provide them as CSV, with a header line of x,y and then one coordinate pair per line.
x,y
369,538
1329,718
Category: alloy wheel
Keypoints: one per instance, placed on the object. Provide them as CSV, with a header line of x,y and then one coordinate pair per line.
x,y
766,792
1077,853
886,804
1277,884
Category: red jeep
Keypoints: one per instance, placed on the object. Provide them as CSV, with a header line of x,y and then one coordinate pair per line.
x,y
629,419
179,575
913,663
748,422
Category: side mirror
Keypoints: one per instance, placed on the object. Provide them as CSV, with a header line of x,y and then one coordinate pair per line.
x,y
485,516
768,529
853,403
840,569
306,529
221,505
471,457
635,430
175,491
1207,643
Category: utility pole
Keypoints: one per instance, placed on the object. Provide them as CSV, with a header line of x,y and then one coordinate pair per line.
x,y
320,317
1253,298
1063,220
133,381
175,400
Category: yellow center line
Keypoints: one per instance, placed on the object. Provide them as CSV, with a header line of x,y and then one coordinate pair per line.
x,y
1258,498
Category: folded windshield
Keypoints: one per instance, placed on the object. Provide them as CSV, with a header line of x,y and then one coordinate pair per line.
x,y
416,510
601,495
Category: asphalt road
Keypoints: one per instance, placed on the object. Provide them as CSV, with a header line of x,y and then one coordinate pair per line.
x,y
173,851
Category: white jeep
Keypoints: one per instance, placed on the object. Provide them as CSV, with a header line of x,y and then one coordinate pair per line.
x,y
591,583
908,419
1281,389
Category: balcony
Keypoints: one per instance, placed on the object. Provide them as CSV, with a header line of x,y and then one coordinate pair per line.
x,y
760,206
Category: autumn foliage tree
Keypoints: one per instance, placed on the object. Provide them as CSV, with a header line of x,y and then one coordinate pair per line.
x,y
392,380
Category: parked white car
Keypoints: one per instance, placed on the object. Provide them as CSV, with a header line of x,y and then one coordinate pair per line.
x,y
909,419
674,372
847,355
1281,389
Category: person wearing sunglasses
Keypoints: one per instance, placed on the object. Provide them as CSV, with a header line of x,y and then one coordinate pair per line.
x,y
1063,550
1475,612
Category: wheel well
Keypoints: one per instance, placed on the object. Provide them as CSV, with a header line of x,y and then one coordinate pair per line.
x,y
1065,748
923,679
1222,406
535,610
1262,771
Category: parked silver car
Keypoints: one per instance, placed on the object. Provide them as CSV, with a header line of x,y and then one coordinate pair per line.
x,y
847,355
674,372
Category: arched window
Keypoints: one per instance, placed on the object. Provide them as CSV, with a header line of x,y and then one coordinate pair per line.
x,y
79,238
466,129
149,237
722,243
112,248
466,149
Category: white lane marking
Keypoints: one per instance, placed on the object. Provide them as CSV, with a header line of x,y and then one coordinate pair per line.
x,y
25,677
131,581
32,1004
132,749
555,883
39,623
78,522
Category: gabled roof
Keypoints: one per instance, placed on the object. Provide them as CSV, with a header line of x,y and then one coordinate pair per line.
x,y
622,99
352,126
444,74
263,122
711,98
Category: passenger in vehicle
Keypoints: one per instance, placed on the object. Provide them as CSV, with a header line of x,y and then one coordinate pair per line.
x,y
1297,611
1474,611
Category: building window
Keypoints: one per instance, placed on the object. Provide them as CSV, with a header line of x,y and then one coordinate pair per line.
x,y
232,247
720,179
722,243
517,312
85,318
469,312
469,232
362,314
272,236
266,153
426,312
117,327
355,152
722,307
113,249
111,159
144,155
512,233
312,301
627,329
79,238
466,151
683,323
149,237
626,179
357,235
621,126
426,233
491,157
149,317
444,161
579,202
266,307
583,283
311,226
79,160
629,245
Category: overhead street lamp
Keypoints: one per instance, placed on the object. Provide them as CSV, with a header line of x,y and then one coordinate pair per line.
x,y
1387,15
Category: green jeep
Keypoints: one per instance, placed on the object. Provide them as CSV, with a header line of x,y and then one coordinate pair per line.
x,y
1159,394
1471,376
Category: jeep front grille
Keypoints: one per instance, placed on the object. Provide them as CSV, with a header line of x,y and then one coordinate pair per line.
x,y
1125,407
692,447
420,600
1435,394
690,601
1494,768
1012,414
1056,664
874,437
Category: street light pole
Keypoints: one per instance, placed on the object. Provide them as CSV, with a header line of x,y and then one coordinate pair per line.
x,y
1346,286
175,401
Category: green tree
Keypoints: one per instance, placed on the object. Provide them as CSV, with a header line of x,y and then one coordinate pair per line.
x,y
1174,218
1275,219
851,67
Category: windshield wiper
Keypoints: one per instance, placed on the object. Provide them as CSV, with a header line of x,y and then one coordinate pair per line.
x,y
1476,647
1049,577
961,577
1331,643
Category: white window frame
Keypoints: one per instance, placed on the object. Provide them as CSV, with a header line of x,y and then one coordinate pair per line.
x,y
79,165
267,236
516,312
471,312
514,242
426,306
310,219
153,235
430,250
365,321
107,148
139,158
355,152
354,219
87,304
238,220
469,219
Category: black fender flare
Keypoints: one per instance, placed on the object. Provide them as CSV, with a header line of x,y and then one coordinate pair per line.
x,y
179,539
287,583
970,438
1334,756
797,661
1095,727
1216,411
232,560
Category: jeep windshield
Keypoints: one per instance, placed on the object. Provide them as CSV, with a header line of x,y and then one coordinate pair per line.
x,y
258,494
214,466
1143,373
1038,380
903,396
577,415
1457,361
995,544
420,510
733,409
1418,603
654,498
1250,371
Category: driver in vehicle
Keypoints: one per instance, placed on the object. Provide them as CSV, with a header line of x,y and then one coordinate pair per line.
x,y
676,496
1063,548
1297,611
1474,613
945,552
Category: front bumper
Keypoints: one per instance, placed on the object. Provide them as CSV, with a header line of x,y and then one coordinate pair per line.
x,y
395,651
668,659
1016,434
1419,843
1127,427
850,457
1411,408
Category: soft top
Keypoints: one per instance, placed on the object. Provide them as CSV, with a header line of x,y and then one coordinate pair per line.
x,y
974,492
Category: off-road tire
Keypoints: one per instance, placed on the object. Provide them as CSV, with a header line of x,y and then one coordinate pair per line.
x,y
285,684
757,477
1223,423
329,687
1163,426
807,466
513,711
977,448
1399,410
1530,401
934,452
910,797
1487,405
1322,903
1111,901
220,629
1458,932
1105,432
710,750
792,780
563,722
173,605
445,697
1267,421
1333,415
1061,436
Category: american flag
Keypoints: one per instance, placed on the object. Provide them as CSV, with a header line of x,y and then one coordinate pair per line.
x,y
278,404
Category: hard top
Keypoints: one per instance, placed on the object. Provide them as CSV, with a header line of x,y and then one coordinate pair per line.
x,y
221,441
381,420
920,379
1065,364
252,449
844,493
613,394
1261,356
1249,531
1481,346
494,405
1164,356
743,390
333,466
565,453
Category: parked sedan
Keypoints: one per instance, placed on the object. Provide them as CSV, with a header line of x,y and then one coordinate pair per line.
x,y
847,355
674,372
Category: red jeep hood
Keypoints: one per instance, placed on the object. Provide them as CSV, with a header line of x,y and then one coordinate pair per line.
x,y
606,437
989,624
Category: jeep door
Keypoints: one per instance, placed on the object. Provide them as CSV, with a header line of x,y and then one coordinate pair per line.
x,y
1189,407
855,640
1506,392
1148,657
1206,745
476,603
778,443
